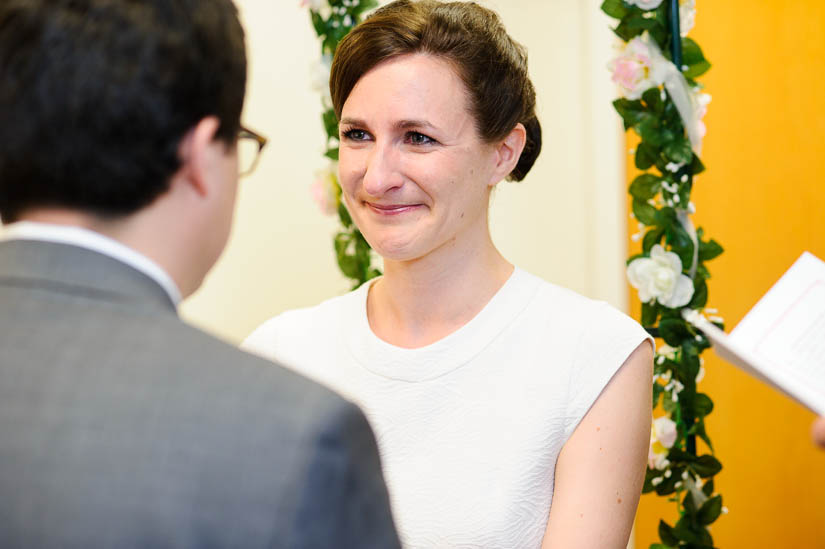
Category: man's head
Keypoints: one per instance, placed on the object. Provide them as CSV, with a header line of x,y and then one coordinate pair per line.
x,y
100,100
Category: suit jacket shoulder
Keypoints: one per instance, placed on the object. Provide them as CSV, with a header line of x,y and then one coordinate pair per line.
x,y
124,427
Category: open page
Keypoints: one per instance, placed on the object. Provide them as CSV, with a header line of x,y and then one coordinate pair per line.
x,y
782,339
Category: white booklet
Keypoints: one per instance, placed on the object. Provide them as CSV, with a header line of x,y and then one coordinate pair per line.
x,y
782,339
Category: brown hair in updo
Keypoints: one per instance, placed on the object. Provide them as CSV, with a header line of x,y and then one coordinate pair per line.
x,y
492,65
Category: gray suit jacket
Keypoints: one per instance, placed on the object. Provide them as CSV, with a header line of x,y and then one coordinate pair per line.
x,y
121,426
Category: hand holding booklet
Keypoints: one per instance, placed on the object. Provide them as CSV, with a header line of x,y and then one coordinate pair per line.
x,y
781,341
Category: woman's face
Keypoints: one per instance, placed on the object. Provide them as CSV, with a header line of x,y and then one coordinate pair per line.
x,y
416,176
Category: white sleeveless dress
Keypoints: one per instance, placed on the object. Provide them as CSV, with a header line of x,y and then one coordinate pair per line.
x,y
470,427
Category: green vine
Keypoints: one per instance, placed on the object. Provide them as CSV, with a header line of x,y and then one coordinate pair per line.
x,y
332,20
658,68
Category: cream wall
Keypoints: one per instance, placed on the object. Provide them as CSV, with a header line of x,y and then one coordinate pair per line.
x,y
565,222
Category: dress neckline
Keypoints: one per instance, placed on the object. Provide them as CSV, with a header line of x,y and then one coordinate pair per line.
x,y
448,353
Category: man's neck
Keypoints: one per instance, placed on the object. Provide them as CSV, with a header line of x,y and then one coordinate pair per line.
x,y
126,230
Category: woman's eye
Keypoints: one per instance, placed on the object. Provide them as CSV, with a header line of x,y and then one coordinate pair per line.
x,y
416,138
355,135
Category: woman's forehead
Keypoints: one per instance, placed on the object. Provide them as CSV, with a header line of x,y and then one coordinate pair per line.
x,y
409,85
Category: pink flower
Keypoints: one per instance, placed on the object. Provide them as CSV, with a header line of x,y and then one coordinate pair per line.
x,y
638,68
325,190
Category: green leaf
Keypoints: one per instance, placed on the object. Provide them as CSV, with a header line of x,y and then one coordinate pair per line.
x,y
696,166
693,57
700,294
709,250
625,32
332,154
666,534
650,130
657,392
680,243
653,100
652,237
689,504
673,331
330,123
666,217
630,111
650,313
646,156
702,404
698,429
614,8
670,407
697,70
707,466
691,52
317,23
707,488
659,546
349,266
677,455
644,212
638,21
710,511
341,243
343,215
646,186
679,151
690,533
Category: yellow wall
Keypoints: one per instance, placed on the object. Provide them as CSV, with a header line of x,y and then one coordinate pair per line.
x,y
763,199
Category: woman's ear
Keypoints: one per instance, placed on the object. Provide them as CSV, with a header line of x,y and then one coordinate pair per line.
x,y
195,151
508,152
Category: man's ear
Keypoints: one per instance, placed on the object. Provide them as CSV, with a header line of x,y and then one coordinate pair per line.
x,y
508,152
195,151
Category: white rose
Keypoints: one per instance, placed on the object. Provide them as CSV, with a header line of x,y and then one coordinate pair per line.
x,y
645,4
664,431
660,277
687,16
639,67
320,78
663,435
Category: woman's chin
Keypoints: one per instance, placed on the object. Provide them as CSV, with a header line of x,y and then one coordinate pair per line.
x,y
397,250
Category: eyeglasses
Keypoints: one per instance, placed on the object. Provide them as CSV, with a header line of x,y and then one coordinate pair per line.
x,y
250,145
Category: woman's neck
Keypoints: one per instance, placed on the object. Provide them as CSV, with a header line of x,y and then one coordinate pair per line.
x,y
421,301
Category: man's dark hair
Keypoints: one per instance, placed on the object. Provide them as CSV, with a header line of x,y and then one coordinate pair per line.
x,y
95,96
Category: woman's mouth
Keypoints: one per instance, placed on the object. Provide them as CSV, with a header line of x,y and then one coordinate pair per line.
x,y
392,209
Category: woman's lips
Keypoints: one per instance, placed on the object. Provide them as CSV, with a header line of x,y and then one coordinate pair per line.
x,y
392,209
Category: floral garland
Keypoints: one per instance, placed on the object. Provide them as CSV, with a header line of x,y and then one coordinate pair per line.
x,y
332,20
656,72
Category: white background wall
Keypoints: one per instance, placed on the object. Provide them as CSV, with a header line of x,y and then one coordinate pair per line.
x,y
565,222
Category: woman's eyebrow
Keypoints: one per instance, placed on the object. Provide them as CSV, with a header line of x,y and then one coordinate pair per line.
x,y
352,122
406,124
401,124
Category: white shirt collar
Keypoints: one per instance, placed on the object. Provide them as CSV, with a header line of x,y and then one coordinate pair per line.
x,y
85,238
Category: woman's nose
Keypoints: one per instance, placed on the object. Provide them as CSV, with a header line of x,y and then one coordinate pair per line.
x,y
382,174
